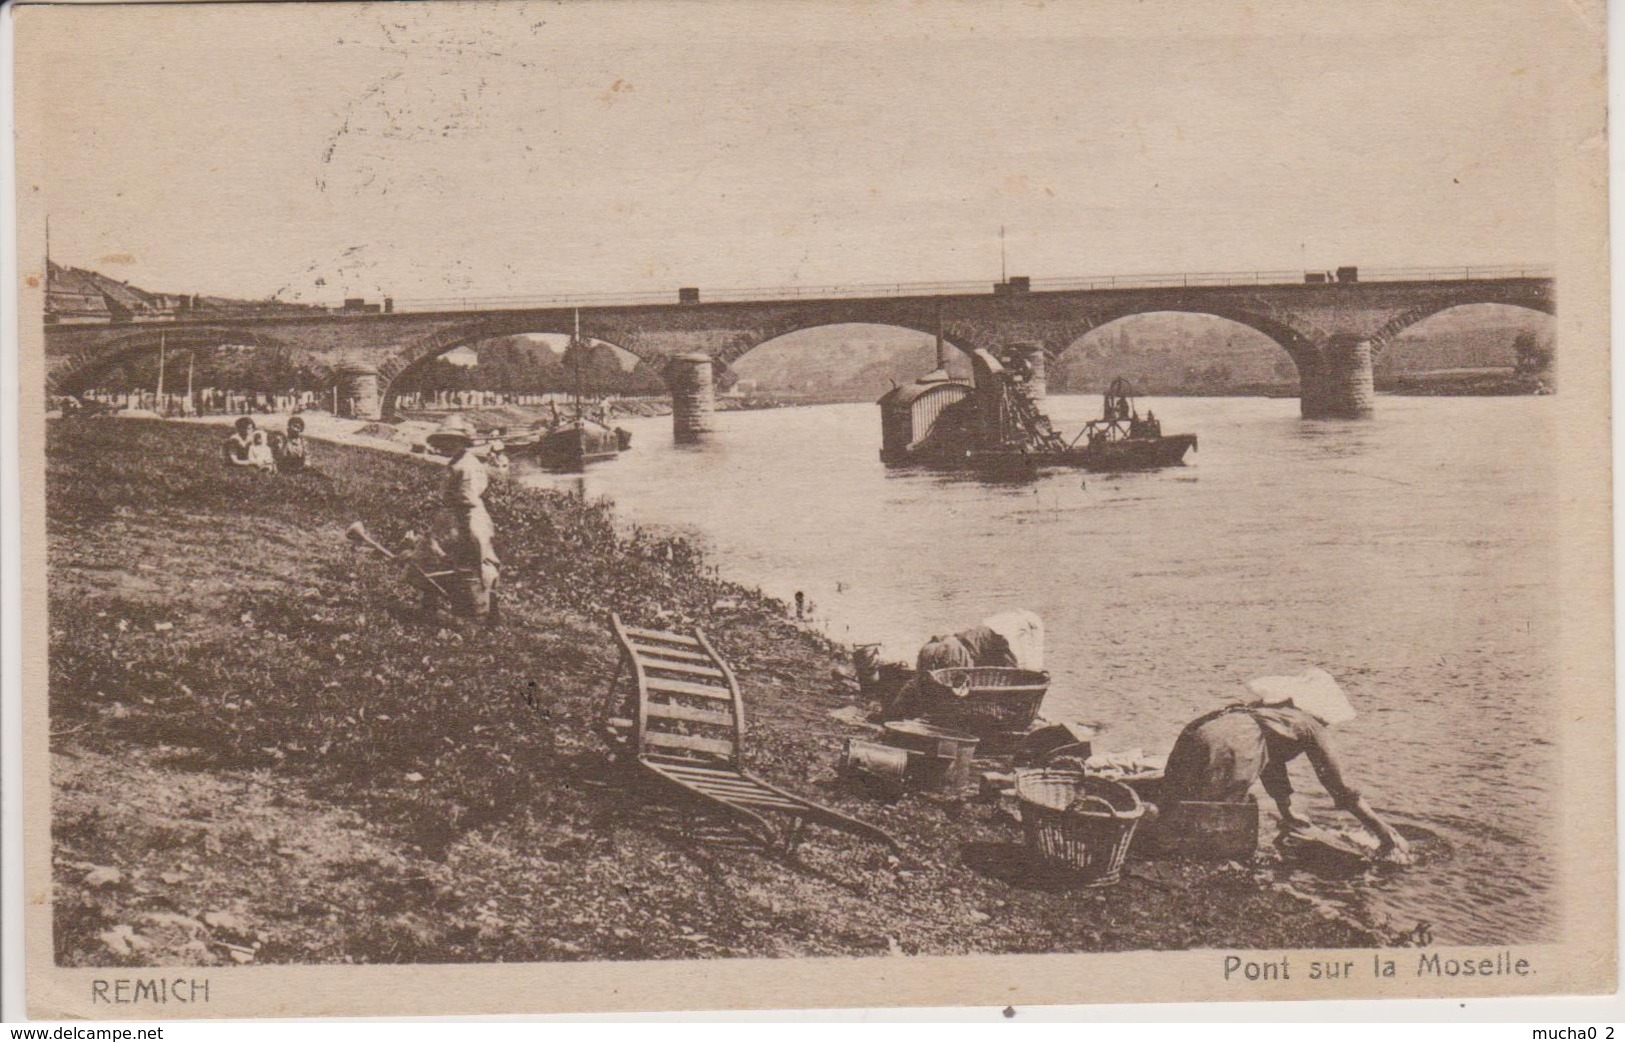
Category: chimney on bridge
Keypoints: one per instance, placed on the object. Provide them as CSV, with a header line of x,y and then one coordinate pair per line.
x,y
1014,286
688,295
389,305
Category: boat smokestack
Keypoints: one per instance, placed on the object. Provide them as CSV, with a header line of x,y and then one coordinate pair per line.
x,y
1032,353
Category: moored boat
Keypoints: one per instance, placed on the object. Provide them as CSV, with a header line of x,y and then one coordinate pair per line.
x,y
574,443
582,436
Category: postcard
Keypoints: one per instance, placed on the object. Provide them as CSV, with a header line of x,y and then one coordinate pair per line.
x,y
540,507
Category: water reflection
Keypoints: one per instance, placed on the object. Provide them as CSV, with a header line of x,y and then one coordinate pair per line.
x,y
1339,438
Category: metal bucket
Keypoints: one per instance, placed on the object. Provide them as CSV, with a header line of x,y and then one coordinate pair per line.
x,y
881,769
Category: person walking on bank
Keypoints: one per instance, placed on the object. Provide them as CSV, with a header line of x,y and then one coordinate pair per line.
x,y
1217,757
464,492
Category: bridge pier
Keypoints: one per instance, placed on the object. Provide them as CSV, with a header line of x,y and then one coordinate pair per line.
x,y
693,399
358,392
1342,387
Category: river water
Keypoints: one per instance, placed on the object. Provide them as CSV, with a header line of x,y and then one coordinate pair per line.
x,y
1405,555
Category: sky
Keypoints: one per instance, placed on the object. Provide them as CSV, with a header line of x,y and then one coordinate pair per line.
x,y
471,149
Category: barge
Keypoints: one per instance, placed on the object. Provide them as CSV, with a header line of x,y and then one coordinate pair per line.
x,y
992,424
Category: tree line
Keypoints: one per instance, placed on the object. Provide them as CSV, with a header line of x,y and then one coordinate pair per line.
x,y
512,365
240,368
518,365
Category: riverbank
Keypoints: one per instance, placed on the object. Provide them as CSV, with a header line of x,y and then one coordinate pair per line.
x,y
407,434
1486,383
617,408
261,752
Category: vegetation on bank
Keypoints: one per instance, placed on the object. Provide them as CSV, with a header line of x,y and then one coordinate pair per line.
x,y
263,751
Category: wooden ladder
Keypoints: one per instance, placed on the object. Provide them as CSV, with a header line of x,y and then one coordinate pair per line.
x,y
686,725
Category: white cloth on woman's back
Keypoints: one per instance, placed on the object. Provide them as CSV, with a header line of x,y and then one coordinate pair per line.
x,y
1314,691
1024,631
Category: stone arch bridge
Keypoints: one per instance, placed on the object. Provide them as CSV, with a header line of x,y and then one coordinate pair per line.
x,y
1330,329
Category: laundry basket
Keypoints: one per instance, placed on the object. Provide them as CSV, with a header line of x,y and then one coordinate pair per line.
x,y
1091,840
983,699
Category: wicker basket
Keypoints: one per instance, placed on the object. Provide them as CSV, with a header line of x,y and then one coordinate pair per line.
x,y
1000,698
1092,843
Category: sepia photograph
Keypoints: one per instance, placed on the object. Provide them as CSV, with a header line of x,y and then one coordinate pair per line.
x,y
559,507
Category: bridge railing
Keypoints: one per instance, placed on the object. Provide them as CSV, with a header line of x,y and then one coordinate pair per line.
x,y
473,302
1476,271
1199,278
743,294
979,287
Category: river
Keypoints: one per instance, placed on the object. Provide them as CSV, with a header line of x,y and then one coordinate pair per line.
x,y
1405,555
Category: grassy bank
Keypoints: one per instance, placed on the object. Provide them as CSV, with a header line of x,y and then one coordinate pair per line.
x,y
262,751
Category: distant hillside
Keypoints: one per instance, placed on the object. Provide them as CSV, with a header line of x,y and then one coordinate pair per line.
x,y
1466,338
842,363
1167,352
82,295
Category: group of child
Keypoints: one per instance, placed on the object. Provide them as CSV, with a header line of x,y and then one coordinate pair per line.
x,y
248,446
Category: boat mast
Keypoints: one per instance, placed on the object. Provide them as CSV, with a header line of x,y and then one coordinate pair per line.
x,y
158,398
575,343
942,345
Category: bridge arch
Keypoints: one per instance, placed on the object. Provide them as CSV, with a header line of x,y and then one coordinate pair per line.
x,y
743,344
1176,360
83,368
728,359
426,349
1302,341
1402,320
